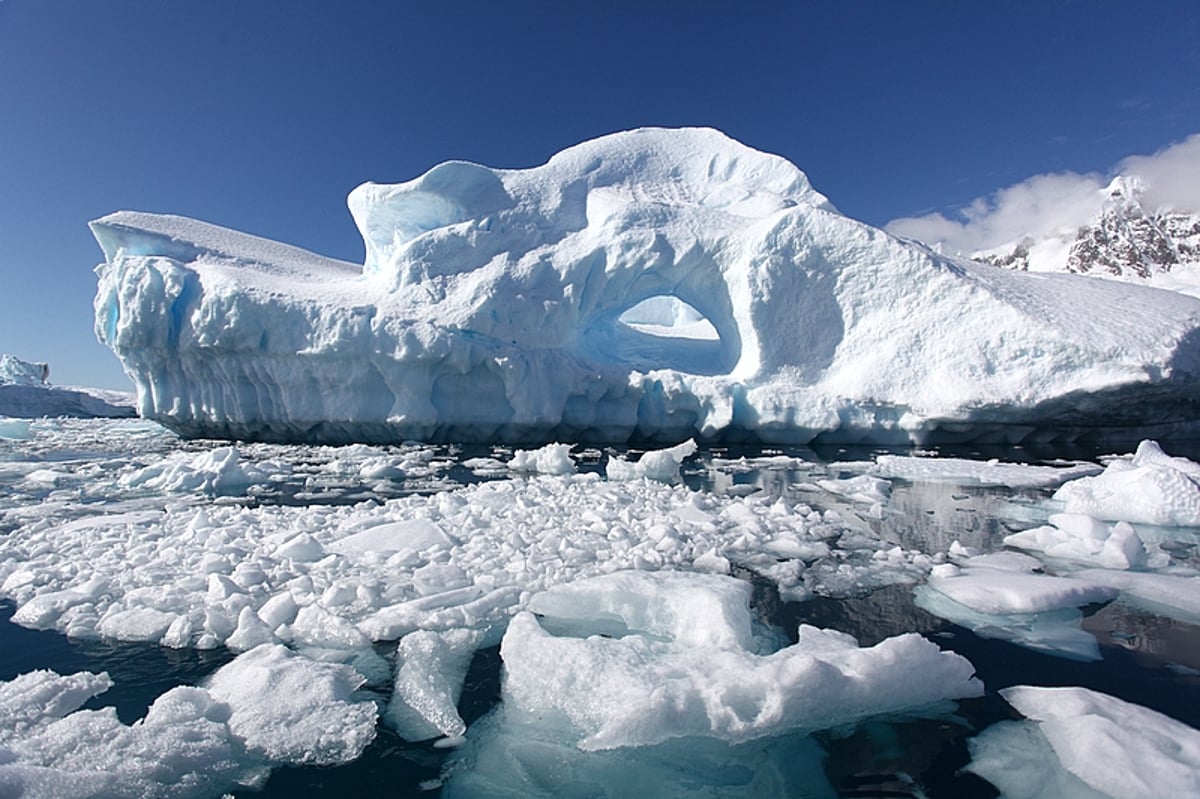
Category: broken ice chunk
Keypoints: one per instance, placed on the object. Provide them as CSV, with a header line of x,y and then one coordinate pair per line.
x,y
676,664
429,682
1082,743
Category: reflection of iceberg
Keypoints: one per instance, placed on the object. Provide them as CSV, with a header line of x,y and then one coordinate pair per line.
x,y
509,304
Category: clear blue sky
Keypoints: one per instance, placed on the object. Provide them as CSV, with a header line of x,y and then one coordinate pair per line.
x,y
262,114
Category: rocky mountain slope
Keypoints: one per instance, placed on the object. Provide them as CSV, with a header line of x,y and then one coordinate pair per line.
x,y
1125,239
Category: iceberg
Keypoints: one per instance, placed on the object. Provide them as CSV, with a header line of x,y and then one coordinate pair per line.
x,y
26,393
655,284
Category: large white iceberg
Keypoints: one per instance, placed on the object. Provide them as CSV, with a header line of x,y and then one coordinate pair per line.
x,y
509,305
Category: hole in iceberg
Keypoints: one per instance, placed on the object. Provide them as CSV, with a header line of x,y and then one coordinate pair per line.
x,y
667,316
664,332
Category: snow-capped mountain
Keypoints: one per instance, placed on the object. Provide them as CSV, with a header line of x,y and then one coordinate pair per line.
x,y
1124,239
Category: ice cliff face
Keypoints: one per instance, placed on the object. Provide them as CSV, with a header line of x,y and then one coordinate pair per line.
x,y
657,284
1122,240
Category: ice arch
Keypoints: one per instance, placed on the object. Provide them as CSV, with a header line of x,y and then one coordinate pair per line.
x,y
664,332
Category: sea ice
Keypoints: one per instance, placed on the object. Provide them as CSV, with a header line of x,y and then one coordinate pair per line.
x,y
1080,744
1174,594
267,707
14,428
997,591
184,571
550,459
512,305
662,464
1149,486
216,471
667,655
431,668
962,471
1004,596
292,709
1083,539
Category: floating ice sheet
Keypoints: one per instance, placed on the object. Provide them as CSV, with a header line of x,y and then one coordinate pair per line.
x,y
962,471
1004,596
1079,744
679,663
263,709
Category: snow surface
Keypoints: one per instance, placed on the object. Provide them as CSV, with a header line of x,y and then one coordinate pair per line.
x,y
496,305
1080,743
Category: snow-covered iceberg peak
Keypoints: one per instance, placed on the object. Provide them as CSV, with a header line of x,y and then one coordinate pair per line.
x,y
661,284
649,177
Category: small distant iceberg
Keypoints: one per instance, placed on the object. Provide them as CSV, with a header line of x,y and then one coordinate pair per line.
x,y
26,393
656,285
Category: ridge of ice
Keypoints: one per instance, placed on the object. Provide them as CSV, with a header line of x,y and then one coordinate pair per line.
x,y
491,302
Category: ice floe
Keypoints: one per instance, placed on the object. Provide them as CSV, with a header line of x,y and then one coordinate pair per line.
x,y
1004,595
1084,539
1148,486
962,471
266,708
638,658
1081,744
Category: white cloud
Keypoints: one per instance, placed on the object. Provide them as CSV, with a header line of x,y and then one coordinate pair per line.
x,y
1043,204
1172,175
